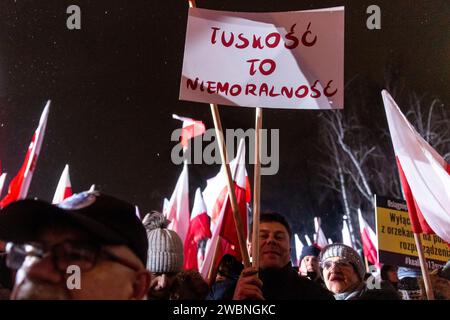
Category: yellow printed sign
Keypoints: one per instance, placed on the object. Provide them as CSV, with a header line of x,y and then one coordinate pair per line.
x,y
396,243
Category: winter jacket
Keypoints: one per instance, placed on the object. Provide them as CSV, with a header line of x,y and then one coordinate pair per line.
x,y
286,284
363,293
223,290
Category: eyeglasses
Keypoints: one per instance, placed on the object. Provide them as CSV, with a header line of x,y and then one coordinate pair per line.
x,y
327,265
63,255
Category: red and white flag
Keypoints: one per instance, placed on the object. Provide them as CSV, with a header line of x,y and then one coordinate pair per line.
x,y
198,230
298,248
224,234
137,212
178,207
20,184
191,129
2,182
369,240
425,175
308,240
346,237
64,188
216,191
165,209
319,238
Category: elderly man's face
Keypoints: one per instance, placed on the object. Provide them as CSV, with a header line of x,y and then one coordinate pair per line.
x,y
339,275
41,278
274,245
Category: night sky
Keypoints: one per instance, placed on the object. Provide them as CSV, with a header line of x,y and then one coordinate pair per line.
x,y
114,85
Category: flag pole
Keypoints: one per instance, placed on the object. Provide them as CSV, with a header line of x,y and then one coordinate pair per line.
x,y
424,268
210,279
230,184
366,263
257,189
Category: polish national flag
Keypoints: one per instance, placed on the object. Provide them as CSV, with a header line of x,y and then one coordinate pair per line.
x,y
346,237
224,233
425,175
298,248
178,207
191,129
308,240
369,240
216,191
64,188
2,182
165,209
137,212
319,239
198,230
20,184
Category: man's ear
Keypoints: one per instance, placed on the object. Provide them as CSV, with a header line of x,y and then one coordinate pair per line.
x,y
141,284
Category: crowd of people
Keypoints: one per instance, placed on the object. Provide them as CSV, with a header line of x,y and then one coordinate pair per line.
x,y
100,239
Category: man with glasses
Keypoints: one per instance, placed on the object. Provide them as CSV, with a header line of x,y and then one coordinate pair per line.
x,y
343,272
93,237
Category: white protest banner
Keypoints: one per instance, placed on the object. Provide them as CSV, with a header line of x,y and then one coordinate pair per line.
x,y
292,60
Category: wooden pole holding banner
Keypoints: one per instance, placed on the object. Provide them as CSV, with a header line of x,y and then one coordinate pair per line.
x,y
230,184
424,268
256,189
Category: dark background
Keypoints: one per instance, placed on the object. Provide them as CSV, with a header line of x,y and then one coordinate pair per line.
x,y
114,86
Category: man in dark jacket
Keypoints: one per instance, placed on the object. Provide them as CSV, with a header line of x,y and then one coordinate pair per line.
x,y
277,279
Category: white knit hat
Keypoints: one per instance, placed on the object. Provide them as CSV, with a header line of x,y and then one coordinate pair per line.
x,y
165,248
344,252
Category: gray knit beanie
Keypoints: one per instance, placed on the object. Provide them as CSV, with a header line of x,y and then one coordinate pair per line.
x,y
344,252
165,248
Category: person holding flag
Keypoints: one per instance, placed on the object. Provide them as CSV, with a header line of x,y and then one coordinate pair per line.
x,y
276,279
